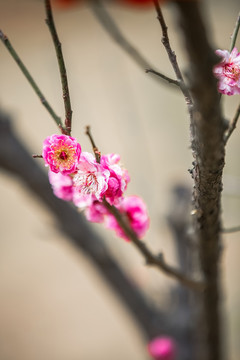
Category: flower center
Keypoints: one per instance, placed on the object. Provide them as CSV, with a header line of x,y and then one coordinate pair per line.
x,y
232,71
87,183
63,155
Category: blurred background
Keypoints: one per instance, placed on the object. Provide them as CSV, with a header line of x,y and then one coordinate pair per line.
x,y
53,303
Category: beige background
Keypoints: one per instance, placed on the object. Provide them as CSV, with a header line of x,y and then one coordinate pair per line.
x,y
53,305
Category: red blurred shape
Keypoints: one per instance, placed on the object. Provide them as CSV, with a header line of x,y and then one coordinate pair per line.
x,y
64,4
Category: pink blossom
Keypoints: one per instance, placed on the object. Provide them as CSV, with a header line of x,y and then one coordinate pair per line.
x,y
90,181
110,159
162,348
228,72
136,212
61,153
62,185
95,212
82,201
118,179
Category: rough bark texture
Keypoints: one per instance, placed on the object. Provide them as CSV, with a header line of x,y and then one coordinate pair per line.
x,y
207,136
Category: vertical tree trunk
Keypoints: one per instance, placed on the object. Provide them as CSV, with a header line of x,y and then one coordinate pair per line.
x,y
207,138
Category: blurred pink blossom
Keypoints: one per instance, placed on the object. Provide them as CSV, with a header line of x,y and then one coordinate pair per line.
x,y
95,212
136,212
118,179
162,348
61,153
62,185
90,180
228,72
82,201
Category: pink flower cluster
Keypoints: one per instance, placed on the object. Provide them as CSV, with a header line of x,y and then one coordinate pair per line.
x,y
162,348
228,72
61,153
76,176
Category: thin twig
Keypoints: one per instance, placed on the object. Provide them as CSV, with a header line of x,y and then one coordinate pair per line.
x,y
168,79
235,33
172,57
26,73
95,149
232,125
115,33
35,156
152,260
231,230
62,69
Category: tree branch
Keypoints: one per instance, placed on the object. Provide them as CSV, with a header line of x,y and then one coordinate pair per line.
x,y
232,125
169,80
231,230
152,260
187,302
115,33
26,73
172,57
235,33
95,149
62,69
15,159
209,155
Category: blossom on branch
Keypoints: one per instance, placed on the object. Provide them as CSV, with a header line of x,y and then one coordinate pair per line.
x,y
62,185
77,176
135,210
162,348
96,212
61,153
118,179
90,180
228,72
